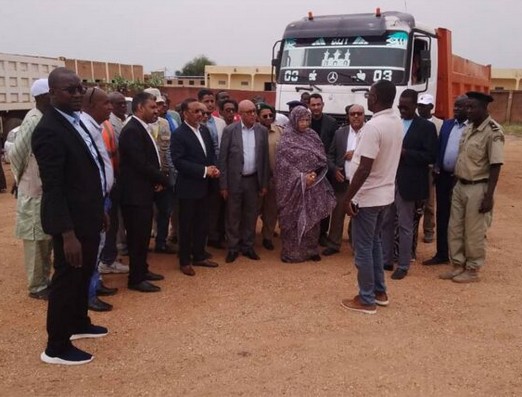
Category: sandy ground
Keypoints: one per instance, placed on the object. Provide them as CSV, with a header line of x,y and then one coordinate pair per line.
x,y
267,328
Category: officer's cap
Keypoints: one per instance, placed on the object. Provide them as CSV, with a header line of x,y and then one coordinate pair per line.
x,y
480,96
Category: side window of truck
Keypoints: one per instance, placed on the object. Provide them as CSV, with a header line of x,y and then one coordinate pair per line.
x,y
418,76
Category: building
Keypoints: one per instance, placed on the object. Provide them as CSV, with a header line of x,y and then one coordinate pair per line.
x,y
245,78
506,79
103,72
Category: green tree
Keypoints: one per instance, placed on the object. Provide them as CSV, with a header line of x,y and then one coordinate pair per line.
x,y
195,67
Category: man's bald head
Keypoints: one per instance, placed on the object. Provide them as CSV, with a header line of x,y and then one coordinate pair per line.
x,y
96,103
65,90
119,104
247,111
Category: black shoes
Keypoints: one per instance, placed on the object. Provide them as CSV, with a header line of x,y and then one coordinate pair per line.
x,y
435,261
388,268
399,274
231,256
250,253
268,244
72,356
153,277
165,249
103,290
41,295
315,258
330,251
97,305
92,331
144,286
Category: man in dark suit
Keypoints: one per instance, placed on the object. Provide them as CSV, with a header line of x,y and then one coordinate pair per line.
x,y
244,166
325,126
193,155
73,182
449,139
140,177
419,150
339,158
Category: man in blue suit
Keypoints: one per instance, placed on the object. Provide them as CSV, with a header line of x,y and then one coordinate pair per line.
x,y
449,139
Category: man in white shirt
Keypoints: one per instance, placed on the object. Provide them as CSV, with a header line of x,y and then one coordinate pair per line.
x,y
372,187
339,159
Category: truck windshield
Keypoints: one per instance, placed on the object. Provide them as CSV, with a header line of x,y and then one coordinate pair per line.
x,y
359,60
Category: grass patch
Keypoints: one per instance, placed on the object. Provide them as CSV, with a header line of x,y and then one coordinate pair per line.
x,y
513,129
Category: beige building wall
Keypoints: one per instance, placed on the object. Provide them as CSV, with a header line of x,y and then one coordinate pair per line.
x,y
245,78
506,79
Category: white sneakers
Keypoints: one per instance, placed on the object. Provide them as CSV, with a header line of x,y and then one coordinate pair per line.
x,y
116,268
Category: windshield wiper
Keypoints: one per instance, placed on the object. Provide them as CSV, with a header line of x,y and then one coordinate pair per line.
x,y
309,88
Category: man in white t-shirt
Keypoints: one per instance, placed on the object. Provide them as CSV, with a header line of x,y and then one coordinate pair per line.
x,y
372,187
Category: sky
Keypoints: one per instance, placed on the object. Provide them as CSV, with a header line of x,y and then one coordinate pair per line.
x,y
165,34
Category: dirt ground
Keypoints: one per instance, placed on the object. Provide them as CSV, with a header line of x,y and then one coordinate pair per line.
x,y
267,328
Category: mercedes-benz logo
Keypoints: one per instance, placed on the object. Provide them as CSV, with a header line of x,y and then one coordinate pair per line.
x,y
332,77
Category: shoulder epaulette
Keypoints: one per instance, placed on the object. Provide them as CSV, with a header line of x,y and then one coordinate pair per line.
x,y
494,126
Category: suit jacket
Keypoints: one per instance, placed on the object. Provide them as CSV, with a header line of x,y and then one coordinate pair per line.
x,y
72,197
445,132
139,166
336,155
328,127
420,144
190,160
231,158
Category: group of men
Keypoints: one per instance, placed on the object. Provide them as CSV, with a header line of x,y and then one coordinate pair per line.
x,y
206,175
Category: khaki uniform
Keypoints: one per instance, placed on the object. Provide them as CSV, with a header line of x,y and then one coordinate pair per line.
x,y
269,206
479,148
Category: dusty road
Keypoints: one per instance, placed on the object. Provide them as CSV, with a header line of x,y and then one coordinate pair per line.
x,y
268,329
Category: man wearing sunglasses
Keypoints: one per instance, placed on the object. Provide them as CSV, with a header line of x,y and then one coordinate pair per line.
x,y
339,157
73,182
266,115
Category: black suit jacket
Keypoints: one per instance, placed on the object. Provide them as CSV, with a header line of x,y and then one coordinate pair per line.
x,y
190,160
336,155
72,194
139,166
420,150
328,127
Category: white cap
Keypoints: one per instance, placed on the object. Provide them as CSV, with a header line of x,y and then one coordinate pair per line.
x,y
40,87
425,99
156,93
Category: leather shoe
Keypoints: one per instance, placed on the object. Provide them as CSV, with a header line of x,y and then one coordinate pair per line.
x,y
435,261
103,290
388,268
268,244
208,255
315,258
399,274
165,250
251,254
187,270
144,286
97,305
330,251
205,263
231,256
43,294
153,277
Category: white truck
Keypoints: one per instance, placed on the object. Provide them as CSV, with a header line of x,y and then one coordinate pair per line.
x,y
341,56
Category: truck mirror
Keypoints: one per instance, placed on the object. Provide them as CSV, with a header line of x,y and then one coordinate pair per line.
x,y
425,64
276,62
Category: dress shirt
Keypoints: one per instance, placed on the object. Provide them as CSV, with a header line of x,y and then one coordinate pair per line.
x,y
211,125
351,142
201,142
452,148
149,133
172,123
249,149
406,125
96,130
75,121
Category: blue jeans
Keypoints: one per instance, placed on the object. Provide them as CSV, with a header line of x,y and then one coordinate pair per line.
x,y
95,278
366,229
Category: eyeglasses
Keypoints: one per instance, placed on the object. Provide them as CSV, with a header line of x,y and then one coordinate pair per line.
x,y
251,111
359,114
268,116
75,88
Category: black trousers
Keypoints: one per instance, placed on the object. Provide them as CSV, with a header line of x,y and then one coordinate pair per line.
x,y
444,187
138,223
67,310
193,229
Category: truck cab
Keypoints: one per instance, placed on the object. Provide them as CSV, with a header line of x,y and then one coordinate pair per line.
x,y
341,56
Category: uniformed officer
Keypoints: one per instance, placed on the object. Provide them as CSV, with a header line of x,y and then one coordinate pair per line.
x,y
477,171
